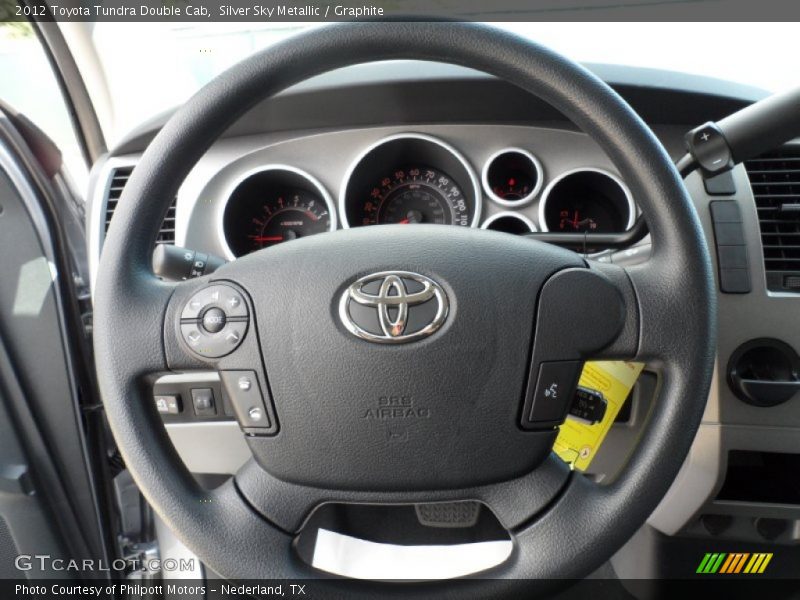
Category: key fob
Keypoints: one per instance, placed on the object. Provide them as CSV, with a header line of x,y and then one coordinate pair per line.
x,y
588,406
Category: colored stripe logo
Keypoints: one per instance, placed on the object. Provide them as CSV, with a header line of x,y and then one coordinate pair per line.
x,y
734,563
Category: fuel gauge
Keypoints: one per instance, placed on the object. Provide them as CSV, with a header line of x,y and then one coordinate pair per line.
x,y
586,200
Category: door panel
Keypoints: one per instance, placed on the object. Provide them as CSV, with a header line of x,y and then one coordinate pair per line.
x,y
48,501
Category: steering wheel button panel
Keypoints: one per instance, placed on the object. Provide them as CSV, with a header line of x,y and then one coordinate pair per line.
x,y
555,388
214,321
244,392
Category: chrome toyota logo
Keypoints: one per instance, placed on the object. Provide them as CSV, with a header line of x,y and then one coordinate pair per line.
x,y
393,307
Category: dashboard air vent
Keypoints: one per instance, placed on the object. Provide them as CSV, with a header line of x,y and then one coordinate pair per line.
x,y
119,177
775,180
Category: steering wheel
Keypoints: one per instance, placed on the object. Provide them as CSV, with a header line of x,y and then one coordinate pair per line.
x,y
497,317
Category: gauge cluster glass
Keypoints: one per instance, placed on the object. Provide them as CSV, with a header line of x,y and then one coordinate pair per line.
x,y
410,179
416,194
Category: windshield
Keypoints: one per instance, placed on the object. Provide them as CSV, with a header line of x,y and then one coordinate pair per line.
x,y
170,61
178,59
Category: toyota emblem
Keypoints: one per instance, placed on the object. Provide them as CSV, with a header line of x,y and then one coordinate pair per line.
x,y
393,307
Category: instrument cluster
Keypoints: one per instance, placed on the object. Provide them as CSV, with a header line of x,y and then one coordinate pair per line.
x,y
413,178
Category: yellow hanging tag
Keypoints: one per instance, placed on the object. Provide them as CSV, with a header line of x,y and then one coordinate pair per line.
x,y
579,439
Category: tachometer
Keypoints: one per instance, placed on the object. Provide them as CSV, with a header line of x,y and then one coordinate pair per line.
x,y
416,194
287,215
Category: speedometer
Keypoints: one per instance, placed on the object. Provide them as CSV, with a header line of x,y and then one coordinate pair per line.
x,y
410,178
416,194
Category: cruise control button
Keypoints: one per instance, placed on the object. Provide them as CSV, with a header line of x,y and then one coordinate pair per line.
x,y
214,320
555,389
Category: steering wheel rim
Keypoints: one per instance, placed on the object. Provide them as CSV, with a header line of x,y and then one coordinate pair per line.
x,y
669,322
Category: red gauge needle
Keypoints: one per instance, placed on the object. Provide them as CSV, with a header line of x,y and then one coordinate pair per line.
x,y
404,221
268,238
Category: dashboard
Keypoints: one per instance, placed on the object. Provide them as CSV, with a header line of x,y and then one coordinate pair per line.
x,y
443,145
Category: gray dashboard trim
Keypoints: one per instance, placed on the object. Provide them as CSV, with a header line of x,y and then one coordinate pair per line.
x,y
729,424
323,156
172,549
